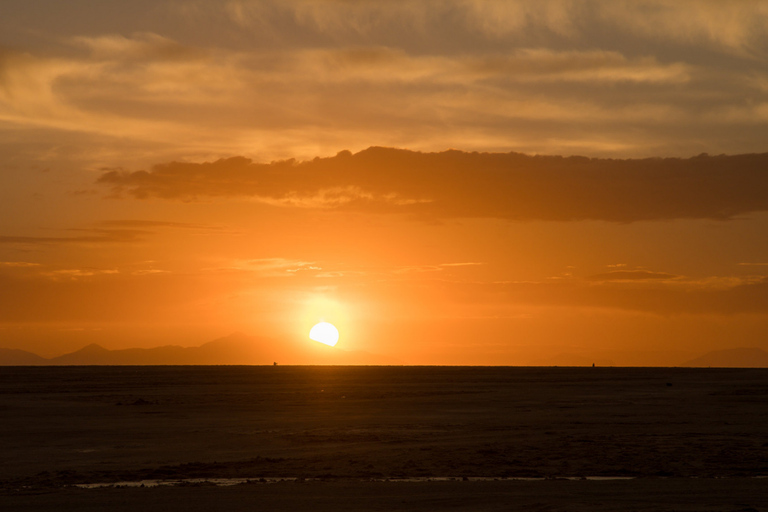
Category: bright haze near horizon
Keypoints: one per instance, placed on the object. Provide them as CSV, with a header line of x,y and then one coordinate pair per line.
x,y
175,171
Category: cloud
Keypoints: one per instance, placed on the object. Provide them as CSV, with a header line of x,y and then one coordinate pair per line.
x,y
271,267
596,66
390,66
730,26
140,47
435,268
632,275
90,236
484,185
76,273
113,231
279,79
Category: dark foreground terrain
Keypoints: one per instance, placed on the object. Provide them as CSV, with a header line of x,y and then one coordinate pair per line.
x,y
692,439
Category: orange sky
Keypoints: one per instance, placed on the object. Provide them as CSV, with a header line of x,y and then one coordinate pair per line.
x,y
172,172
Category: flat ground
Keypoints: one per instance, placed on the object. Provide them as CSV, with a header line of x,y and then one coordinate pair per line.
x,y
693,438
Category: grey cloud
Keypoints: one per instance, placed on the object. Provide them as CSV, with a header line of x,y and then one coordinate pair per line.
x,y
455,184
140,47
724,26
274,78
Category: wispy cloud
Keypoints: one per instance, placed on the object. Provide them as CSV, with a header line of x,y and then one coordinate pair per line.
x,y
435,268
76,273
725,25
632,275
301,78
109,232
271,267
89,236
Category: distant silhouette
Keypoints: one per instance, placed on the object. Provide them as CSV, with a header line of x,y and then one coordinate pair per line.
x,y
743,357
235,349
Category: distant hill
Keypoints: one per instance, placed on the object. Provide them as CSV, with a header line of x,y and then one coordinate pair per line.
x,y
16,357
732,358
232,350
235,349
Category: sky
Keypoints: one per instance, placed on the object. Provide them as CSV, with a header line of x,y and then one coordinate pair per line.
x,y
448,182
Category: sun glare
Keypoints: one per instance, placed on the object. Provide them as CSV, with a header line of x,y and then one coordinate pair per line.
x,y
325,333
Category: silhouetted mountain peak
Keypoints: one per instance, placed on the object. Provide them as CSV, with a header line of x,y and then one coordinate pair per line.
x,y
17,357
93,348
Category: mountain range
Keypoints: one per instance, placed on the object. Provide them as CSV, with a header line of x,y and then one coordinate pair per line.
x,y
236,349
240,349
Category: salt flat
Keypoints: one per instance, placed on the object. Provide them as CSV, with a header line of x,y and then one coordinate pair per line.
x,y
690,437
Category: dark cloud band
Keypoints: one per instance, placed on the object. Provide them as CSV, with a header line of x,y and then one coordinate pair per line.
x,y
483,185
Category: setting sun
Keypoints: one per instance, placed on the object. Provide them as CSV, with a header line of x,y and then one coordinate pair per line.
x,y
325,333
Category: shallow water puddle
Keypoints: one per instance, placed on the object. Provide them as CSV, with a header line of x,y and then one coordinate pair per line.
x,y
223,482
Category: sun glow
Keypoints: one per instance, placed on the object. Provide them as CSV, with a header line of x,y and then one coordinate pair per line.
x,y
325,333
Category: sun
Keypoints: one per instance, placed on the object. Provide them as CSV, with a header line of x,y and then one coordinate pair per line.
x,y
324,333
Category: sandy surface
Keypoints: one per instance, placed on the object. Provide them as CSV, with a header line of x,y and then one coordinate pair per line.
x,y
694,438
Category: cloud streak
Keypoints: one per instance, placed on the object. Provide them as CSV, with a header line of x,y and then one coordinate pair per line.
x,y
483,185
116,231
722,25
632,275
91,236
